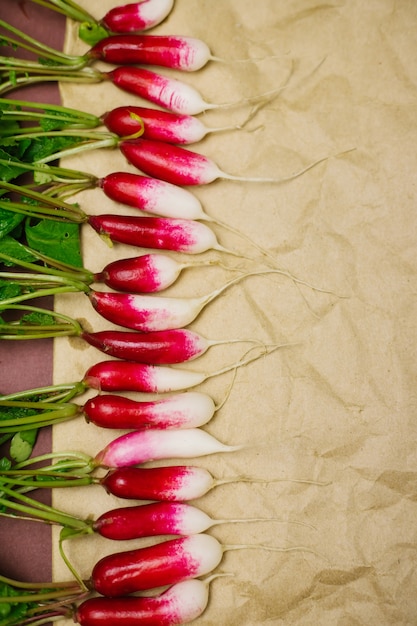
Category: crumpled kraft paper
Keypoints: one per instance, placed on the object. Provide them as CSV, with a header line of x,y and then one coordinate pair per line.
x,y
328,422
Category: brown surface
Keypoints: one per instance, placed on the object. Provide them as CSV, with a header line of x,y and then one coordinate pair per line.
x,y
339,407
25,548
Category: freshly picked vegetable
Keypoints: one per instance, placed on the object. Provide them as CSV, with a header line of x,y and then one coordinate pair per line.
x,y
23,604
125,18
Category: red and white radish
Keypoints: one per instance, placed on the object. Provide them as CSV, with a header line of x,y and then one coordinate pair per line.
x,y
151,195
165,563
127,121
147,273
116,376
179,604
136,16
177,52
169,93
159,518
180,166
183,410
165,347
173,483
158,233
138,447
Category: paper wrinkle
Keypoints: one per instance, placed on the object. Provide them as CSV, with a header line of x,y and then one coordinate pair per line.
x,y
337,410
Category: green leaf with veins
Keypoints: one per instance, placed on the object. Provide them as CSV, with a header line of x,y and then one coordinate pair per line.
x,y
58,240
12,247
42,147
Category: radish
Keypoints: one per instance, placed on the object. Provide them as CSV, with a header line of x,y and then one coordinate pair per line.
x,y
157,125
173,51
148,313
136,16
183,410
165,347
176,483
179,235
151,195
180,603
137,447
166,563
177,52
168,93
118,376
180,166
173,483
147,273
158,518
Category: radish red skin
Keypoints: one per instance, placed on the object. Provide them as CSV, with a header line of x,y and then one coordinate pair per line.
x,y
182,410
176,483
151,195
129,376
147,273
176,52
150,520
128,311
157,125
137,16
180,603
179,235
168,93
168,162
155,348
165,563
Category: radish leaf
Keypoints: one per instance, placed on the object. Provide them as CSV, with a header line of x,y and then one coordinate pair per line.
x,y
92,33
21,445
11,247
58,240
9,221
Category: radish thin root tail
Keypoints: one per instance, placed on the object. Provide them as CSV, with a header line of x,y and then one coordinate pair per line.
x,y
267,96
261,546
246,121
252,359
266,253
271,57
248,479
261,519
228,392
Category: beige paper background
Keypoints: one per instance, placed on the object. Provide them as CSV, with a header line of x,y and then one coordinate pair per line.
x,y
340,407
